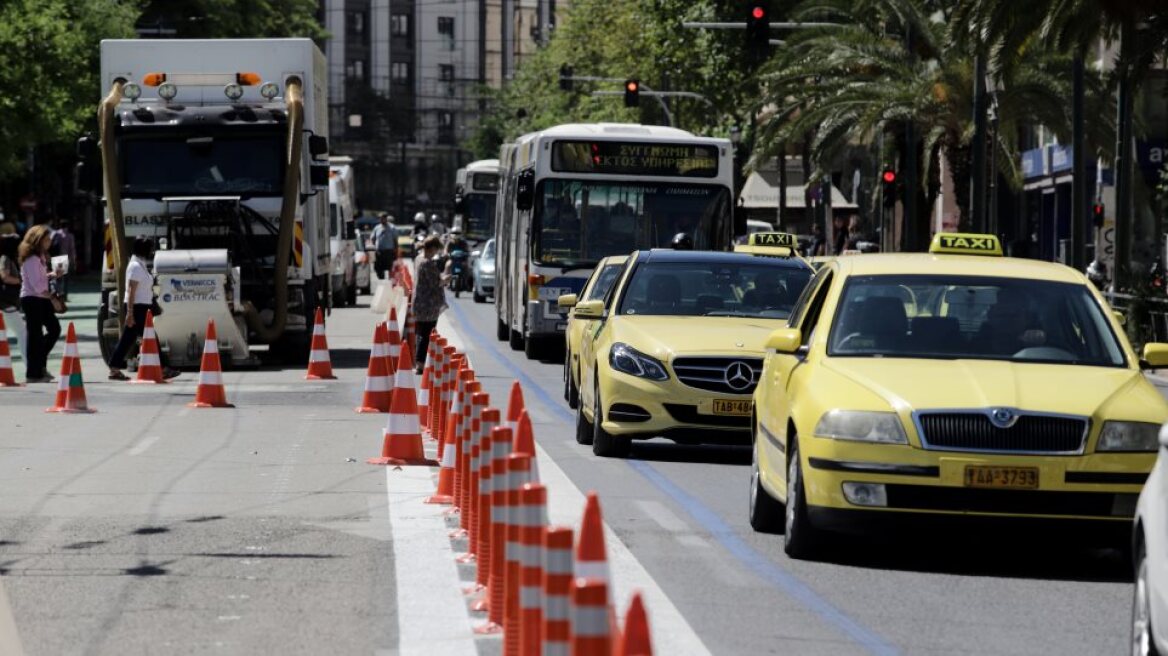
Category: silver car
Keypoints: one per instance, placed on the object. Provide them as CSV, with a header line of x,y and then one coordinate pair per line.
x,y
483,271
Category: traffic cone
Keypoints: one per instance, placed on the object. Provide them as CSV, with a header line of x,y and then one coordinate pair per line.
x,y
70,387
518,466
634,637
591,556
469,517
320,367
533,498
438,392
427,383
378,384
501,481
462,455
444,495
7,377
149,361
557,591
395,341
210,393
591,626
402,437
461,401
515,404
525,441
481,533
471,417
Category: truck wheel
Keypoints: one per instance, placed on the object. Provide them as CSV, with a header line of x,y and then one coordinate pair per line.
x,y
502,332
515,339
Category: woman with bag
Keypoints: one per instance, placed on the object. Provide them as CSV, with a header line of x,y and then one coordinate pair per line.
x,y
10,291
36,301
138,300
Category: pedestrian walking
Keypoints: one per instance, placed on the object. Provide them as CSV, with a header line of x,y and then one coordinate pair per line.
x,y
429,296
43,327
64,244
384,239
138,300
10,291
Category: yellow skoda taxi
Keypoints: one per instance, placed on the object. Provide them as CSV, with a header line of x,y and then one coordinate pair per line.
x,y
956,382
596,288
675,349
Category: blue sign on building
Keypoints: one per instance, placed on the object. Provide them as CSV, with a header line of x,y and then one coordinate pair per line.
x,y
1034,163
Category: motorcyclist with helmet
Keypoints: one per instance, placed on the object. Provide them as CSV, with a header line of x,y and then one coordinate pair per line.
x,y
457,267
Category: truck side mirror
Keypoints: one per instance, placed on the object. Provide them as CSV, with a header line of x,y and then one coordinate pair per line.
x,y
86,148
318,176
86,178
525,190
317,146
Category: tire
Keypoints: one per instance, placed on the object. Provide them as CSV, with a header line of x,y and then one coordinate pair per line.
x,y
533,348
583,426
479,298
502,332
605,444
800,539
571,392
767,515
456,292
515,339
1142,636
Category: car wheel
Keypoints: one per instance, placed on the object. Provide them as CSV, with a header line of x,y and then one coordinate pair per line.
x,y
571,390
502,332
515,339
533,348
479,298
605,444
583,426
767,515
800,539
1142,638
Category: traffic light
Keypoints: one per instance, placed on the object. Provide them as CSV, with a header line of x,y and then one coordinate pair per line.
x,y
565,77
758,30
888,187
1097,214
632,93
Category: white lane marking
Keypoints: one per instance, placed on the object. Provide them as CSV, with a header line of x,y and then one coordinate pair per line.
x,y
431,611
140,448
661,514
9,636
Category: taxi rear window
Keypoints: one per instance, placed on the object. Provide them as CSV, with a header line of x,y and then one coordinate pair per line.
x,y
973,317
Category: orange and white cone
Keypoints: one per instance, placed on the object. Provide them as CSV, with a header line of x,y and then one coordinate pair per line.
x,y
402,437
591,624
70,387
634,637
518,468
393,332
378,384
525,442
500,515
444,495
557,591
481,535
7,377
471,418
320,367
424,388
210,393
591,556
468,520
515,404
533,512
410,333
149,360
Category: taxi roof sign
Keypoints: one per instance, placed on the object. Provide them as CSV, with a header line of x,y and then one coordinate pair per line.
x,y
964,243
773,239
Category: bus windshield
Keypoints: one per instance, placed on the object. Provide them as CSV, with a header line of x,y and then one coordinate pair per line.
x,y
480,216
576,223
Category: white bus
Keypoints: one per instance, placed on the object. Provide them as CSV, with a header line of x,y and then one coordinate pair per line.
x,y
475,187
573,194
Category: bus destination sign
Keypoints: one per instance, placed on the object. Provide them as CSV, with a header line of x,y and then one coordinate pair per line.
x,y
641,158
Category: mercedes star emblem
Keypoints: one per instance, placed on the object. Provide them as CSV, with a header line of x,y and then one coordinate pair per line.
x,y
739,376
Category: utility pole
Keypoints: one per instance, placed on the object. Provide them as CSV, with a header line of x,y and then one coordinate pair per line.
x,y
1078,166
977,196
1124,221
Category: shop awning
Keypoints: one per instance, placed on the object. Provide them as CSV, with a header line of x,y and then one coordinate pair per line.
x,y
761,191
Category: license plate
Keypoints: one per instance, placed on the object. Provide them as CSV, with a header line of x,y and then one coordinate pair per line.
x,y
1019,478
724,407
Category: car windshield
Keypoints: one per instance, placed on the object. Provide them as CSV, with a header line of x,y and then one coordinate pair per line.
x,y
578,223
973,317
489,251
756,287
240,165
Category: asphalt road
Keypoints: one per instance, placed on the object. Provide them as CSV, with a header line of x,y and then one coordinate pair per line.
x,y
152,528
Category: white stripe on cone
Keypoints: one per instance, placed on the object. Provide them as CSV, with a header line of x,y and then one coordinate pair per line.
x,y
211,378
149,360
378,384
591,622
318,356
592,569
404,424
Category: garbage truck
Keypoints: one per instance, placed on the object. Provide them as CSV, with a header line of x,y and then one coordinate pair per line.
x,y
217,151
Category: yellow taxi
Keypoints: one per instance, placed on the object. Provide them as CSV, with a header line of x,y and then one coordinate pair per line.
x,y
675,349
595,289
955,382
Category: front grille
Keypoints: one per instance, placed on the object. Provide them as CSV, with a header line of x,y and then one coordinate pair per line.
x,y
688,414
1013,502
710,373
973,431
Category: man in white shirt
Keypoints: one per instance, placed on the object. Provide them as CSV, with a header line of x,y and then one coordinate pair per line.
x,y
138,300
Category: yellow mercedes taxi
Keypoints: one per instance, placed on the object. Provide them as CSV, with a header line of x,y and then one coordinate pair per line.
x,y
956,382
675,349
595,289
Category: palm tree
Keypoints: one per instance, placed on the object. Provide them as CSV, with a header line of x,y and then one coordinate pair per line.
x,y
895,63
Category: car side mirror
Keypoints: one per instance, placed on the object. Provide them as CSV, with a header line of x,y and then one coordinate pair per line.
x,y
1155,356
589,309
566,302
1164,436
785,340
318,176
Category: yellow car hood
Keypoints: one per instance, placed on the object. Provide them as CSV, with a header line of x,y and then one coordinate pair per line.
x,y
916,384
665,336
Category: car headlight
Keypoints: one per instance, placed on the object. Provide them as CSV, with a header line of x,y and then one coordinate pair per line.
x,y
629,360
1129,436
861,426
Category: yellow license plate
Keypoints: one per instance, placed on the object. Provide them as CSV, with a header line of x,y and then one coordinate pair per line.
x,y
1019,478
723,407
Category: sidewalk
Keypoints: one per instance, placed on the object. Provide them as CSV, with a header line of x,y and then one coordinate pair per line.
x,y
84,302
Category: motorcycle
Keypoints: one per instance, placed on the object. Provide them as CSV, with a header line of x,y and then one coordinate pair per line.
x,y
459,272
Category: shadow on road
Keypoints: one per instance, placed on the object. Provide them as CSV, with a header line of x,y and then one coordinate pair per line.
x,y
664,451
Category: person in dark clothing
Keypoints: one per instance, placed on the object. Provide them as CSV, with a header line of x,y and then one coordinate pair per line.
x,y
138,301
839,235
818,243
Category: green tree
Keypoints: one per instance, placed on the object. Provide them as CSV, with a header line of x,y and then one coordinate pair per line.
x,y
49,69
227,19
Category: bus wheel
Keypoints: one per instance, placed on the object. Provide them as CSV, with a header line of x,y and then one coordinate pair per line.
x,y
502,332
515,339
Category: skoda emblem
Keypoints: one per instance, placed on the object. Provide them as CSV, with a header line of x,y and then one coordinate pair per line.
x,y
739,376
1002,417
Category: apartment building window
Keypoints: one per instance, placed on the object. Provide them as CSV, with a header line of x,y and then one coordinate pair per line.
x,y
446,26
445,127
446,72
356,23
356,70
399,25
400,72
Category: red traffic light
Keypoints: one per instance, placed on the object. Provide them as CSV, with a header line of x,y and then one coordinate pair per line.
x,y
758,12
889,176
1097,209
632,86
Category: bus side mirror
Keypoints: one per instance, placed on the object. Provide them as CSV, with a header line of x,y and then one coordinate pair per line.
x,y
460,204
525,190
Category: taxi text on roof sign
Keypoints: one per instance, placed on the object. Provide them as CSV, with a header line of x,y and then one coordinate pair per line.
x,y
959,243
773,239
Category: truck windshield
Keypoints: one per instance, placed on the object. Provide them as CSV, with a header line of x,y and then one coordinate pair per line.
x,y
579,222
480,216
185,165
